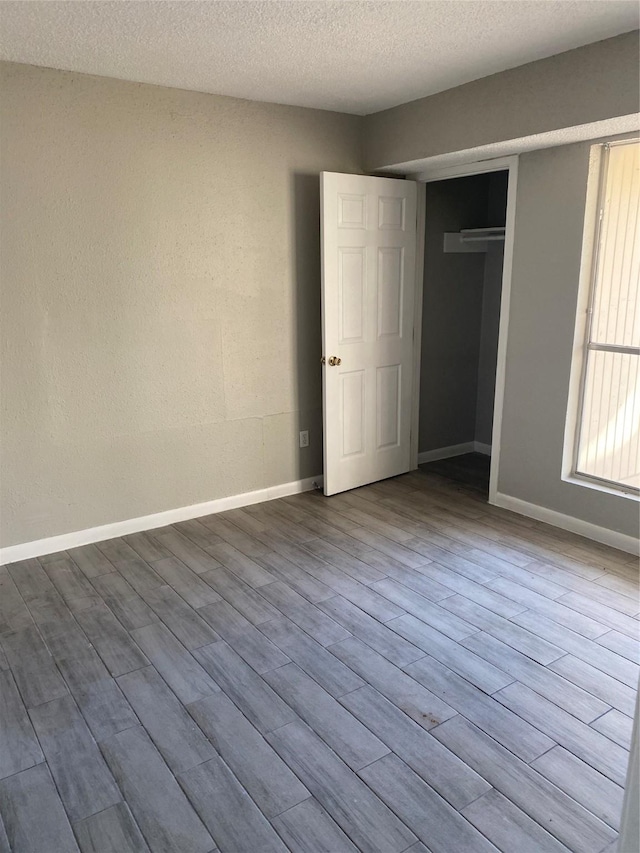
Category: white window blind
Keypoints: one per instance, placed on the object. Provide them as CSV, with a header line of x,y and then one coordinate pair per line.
x,y
608,445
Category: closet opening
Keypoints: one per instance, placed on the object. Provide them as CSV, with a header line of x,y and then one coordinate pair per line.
x,y
465,220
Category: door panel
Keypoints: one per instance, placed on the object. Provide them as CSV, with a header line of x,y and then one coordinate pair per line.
x,y
388,404
351,267
352,385
390,287
368,291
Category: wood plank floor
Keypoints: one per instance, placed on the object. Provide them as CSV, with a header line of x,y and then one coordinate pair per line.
x,y
398,668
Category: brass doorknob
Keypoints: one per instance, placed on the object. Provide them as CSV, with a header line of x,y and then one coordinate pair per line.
x,y
334,361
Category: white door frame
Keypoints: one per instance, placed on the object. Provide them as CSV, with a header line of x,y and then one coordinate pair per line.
x,y
501,164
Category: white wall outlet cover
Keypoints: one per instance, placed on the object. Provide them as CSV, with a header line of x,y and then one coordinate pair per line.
x,y
304,438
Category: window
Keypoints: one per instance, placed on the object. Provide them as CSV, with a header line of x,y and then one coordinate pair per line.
x,y
607,447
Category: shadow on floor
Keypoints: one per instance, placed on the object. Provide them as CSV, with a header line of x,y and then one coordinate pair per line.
x,y
472,469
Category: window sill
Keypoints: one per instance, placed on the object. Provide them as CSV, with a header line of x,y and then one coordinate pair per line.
x,y
577,480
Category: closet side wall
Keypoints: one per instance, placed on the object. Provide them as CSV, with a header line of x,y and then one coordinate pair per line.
x,y
488,354
490,323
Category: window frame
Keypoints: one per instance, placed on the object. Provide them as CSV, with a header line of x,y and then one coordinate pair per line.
x,y
591,252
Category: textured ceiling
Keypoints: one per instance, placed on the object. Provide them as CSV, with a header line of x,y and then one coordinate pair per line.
x,y
356,57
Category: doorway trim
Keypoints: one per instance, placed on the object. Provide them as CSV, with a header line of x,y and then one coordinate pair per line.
x,y
463,170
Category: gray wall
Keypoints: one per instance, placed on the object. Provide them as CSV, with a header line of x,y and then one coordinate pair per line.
x,y
461,310
160,285
550,212
592,83
160,296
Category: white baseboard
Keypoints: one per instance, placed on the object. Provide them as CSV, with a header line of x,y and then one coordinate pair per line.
x,y
481,447
445,452
622,541
454,450
53,544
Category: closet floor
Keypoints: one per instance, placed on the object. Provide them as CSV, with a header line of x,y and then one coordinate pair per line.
x,y
397,668
472,469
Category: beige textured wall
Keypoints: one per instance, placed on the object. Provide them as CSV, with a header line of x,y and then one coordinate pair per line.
x,y
550,213
589,84
160,296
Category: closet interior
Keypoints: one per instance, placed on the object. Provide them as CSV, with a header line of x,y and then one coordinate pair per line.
x,y
464,253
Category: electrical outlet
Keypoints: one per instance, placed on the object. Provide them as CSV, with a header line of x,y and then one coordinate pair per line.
x,y
304,438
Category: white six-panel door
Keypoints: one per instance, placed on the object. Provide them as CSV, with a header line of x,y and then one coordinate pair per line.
x,y
368,290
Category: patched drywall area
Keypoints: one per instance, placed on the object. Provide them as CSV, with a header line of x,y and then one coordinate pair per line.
x,y
160,296
550,215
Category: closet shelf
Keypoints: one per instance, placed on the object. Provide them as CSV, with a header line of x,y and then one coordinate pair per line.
x,y
471,235
472,239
